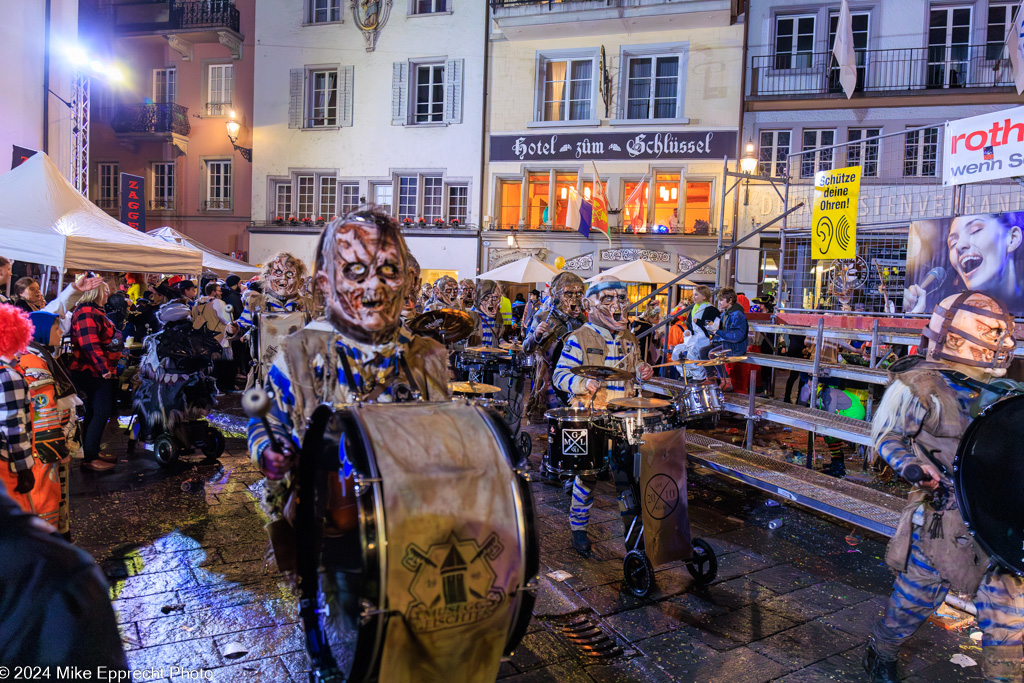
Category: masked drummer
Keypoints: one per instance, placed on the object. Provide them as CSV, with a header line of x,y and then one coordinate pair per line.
x,y
923,415
411,305
282,281
562,315
467,294
359,351
604,341
444,295
487,323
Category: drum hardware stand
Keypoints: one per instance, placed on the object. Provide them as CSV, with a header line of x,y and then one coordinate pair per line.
x,y
368,611
362,483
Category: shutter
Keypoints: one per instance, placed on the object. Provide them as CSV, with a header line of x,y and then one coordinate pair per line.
x,y
453,91
346,77
400,94
296,96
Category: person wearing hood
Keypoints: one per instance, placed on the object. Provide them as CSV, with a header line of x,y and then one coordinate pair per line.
x,y
731,337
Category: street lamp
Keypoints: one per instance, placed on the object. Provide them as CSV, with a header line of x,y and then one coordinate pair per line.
x,y
748,162
233,129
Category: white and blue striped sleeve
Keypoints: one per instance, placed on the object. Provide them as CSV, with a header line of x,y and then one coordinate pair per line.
x,y
572,356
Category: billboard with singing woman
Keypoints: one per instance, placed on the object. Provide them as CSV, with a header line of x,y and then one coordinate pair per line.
x,y
979,252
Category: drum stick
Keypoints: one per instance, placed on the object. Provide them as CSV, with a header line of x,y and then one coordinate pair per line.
x,y
256,403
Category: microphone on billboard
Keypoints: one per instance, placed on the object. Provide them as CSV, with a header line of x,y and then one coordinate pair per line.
x,y
934,279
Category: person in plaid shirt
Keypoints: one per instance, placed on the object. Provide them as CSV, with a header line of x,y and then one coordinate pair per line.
x,y
15,423
93,363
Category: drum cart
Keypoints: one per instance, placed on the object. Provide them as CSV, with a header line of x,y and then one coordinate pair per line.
x,y
637,570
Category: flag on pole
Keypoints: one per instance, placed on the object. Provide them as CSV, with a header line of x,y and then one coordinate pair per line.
x,y
1015,43
843,51
636,206
600,201
580,213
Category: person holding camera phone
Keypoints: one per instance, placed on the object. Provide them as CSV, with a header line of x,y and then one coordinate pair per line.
x,y
95,350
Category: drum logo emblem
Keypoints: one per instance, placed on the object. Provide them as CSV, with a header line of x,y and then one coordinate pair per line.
x,y
453,583
661,496
575,441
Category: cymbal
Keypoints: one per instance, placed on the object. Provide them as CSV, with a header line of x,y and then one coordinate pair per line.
x,y
472,388
601,373
487,349
508,346
639,402
446,325
704,363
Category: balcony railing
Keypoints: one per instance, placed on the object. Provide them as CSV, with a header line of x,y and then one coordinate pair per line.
x,y
166,204
553,4
163,117
883,71
703,230
217,204
142,17
107,204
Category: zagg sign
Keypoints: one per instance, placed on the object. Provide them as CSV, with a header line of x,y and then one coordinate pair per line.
x,y
987,147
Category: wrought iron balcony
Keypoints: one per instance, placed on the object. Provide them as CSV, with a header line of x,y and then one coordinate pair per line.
x,y
107,204
165,204
894,71
149,17
531,19
157,118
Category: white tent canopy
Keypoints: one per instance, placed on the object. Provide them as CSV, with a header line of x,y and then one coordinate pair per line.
x,y
213,261
45,220
644,272
524,271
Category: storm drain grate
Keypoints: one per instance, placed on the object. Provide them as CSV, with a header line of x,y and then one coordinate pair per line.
x,y
587,638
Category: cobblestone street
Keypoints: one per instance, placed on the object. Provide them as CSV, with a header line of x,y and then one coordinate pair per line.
x,y
191,588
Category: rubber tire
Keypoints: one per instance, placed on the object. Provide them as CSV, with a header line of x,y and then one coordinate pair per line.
x,y
165,450
525,444
705,568
638,573
213,447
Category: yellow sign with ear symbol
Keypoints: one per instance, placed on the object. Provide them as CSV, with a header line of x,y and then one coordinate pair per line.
x,y
834,213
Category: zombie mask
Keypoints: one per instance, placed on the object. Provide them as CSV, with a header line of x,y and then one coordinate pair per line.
x,y
467,292
567,289
446,290
283,275
488,298
365,278
971,329
414,288
606,304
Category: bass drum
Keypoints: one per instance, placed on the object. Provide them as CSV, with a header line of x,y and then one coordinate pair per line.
x,y
988,477
434,583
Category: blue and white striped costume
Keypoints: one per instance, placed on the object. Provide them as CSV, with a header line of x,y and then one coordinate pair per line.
x,y
619,353
920,588
272,305
489,328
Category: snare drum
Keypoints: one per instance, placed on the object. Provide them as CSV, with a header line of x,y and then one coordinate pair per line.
x,y
445,547
525,361
631,425
577,441
698,400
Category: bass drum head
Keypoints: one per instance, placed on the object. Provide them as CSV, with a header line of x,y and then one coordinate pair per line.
x,y
988,475
431,556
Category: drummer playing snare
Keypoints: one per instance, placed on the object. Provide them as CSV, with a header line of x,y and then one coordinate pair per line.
x,y
603,341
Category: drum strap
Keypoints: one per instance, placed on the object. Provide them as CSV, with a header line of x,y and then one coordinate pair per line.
x,y
349,377
404,364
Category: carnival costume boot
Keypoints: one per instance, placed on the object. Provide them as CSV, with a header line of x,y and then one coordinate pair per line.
x,y
878,668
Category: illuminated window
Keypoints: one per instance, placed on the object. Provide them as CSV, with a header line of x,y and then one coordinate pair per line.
x,y
563,181
666,202
537,199
634,211
697,213
510,197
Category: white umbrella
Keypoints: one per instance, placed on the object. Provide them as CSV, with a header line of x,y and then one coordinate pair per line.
x,y
524,271
644,272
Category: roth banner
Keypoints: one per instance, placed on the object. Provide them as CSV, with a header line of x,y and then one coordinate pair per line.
x,y
834,213
133,201
710,144
986,147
